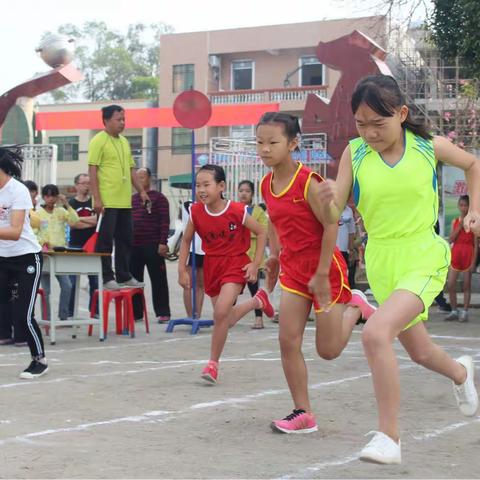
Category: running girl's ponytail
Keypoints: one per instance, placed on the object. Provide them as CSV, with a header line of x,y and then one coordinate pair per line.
x,y
383,95
11,161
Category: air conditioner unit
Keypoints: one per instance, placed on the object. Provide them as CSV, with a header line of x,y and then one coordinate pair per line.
x,y
214,61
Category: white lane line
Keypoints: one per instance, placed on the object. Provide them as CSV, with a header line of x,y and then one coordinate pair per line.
x,y
443,337
448,428
317,467
129,343
153,416
27,383
450,337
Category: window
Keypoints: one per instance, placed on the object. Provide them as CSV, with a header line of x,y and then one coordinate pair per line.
x,y
183,77
136,144
242,75
181,140
311,72
241,131
67,148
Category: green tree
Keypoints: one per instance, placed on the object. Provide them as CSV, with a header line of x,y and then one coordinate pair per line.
x,y
116,66
455,29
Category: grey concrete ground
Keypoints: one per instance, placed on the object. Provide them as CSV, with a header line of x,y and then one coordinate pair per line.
x,y
136,408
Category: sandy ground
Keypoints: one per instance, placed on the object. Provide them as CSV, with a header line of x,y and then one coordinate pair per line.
x,y
137,408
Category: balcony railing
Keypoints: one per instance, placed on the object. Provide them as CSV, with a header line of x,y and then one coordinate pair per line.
x,y
295,94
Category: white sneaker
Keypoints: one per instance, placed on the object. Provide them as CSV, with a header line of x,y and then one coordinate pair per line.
x,y
381,449
111,285
132,283
452,316
466,393
463,317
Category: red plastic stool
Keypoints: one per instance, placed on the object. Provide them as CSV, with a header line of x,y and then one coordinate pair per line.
x,y
108,296
129,325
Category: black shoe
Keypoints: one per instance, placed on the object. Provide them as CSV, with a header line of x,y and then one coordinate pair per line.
x,y
35,369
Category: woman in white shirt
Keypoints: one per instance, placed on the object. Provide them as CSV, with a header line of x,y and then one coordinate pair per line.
x,y
20,258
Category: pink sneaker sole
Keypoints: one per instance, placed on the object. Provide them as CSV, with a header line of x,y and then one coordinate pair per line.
x,y
208,378
278,428
298,421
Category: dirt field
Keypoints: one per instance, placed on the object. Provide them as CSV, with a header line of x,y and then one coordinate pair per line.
x,y
137,408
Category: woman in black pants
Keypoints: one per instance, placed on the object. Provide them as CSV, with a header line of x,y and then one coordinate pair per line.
x,y
20,258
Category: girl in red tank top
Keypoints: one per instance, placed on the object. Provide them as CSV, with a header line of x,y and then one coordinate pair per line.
x,y
224,227
464,256
305,259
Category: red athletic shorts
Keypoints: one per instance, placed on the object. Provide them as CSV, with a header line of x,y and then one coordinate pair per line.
x,y
462,256
296,270
220,270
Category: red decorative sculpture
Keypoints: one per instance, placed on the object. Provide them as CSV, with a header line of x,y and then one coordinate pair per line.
x,y
356,56
43,83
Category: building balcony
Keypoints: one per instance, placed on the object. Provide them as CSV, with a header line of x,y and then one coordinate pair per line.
x,y
295,97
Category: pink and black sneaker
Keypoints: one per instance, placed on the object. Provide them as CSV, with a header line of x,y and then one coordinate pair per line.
x,y
266,306
299,421
210,372
360,300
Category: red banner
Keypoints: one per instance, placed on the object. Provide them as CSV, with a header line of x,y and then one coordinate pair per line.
x,y
222,115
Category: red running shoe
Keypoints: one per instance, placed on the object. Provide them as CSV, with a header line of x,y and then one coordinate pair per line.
x,y
210,372
266,306
299,421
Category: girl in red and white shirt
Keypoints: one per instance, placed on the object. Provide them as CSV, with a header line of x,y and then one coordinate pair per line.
x,y
224,227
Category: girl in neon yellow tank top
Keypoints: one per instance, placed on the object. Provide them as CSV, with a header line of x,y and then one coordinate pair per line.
x,y
391,169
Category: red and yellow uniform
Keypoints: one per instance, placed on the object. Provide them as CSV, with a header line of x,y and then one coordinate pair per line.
x,y
462,249
300,235
225,241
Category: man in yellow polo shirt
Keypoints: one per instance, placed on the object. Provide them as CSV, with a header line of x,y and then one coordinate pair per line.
x,y
112,173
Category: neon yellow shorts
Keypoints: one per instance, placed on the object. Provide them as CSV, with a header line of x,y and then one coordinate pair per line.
x,y
418,263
